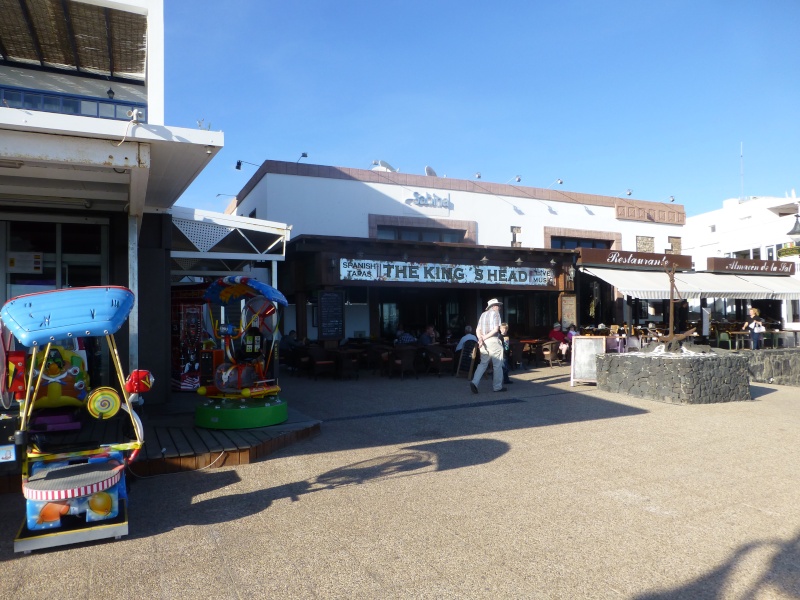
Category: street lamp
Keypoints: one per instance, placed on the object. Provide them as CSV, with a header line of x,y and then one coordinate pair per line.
x,y
794,234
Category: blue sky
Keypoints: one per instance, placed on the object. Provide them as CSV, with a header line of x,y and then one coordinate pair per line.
x,y
658,97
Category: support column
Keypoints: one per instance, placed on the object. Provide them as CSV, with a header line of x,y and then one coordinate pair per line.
x,y
133,285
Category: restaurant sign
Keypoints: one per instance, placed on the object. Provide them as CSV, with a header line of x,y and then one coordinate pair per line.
x,y
415,272
750,267
634,260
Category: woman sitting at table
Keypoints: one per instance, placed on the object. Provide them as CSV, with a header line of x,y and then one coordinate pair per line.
x,y
557,335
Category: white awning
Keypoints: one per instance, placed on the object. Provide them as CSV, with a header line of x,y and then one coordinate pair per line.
x,y
719,285
783,288
648,285
654,285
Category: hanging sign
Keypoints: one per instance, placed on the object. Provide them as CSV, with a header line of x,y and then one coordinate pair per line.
x,y
414,272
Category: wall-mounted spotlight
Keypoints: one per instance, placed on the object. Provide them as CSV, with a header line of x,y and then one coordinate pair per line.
x,y
478,175
516,178
485,260
628,192
110,93
302,156
672,198
239,164
518,262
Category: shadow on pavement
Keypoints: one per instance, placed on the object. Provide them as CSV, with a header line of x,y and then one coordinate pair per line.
x,y
157,511
781,576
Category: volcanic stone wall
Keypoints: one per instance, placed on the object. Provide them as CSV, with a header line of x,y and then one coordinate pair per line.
x,y
780,366
676,378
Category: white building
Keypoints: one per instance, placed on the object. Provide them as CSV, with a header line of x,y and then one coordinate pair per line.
x,y
410,219
89,171
755,228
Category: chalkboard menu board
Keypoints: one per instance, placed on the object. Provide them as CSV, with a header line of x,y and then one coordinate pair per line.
x,y
331,315
466,359
584,358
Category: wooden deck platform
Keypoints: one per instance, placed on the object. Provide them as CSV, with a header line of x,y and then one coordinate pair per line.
x,y
173,444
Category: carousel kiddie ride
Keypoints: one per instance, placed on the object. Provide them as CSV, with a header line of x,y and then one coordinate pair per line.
x,y
239,378
73,473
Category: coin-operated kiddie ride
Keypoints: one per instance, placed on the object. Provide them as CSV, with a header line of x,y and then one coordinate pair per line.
x,y
239,377
73,468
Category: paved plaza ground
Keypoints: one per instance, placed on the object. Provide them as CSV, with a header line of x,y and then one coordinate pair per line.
x,y
420,489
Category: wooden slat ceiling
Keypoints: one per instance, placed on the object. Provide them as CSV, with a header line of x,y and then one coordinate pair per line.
x,y
67,35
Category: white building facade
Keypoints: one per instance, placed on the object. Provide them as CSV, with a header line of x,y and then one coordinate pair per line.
x,y
412,219
749,229
89,171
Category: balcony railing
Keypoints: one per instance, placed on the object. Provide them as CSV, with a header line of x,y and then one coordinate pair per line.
x,y
69,104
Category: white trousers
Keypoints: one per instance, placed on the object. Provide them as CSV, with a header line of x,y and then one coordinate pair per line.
x,y
492,350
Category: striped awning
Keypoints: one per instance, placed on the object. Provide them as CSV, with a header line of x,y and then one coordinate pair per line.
x,y
654,285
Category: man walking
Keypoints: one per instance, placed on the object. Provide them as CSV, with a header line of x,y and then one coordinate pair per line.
x,y
491,347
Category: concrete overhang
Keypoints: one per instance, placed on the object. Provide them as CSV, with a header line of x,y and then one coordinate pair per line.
x,y
53,160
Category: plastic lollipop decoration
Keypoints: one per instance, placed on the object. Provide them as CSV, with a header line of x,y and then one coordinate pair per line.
x,y
103,403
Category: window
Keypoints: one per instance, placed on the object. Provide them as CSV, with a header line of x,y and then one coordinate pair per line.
x,y
756,253
420,234
567,243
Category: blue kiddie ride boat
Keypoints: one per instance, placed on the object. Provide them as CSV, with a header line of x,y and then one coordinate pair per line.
x,y
238,376
73,483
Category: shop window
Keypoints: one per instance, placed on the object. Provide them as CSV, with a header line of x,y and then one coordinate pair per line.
x,y
570,243
420,234
80,239
756,253
389,315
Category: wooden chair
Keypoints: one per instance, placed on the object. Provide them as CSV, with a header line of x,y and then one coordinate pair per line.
x,y
402,360
438,359
550,352
321,363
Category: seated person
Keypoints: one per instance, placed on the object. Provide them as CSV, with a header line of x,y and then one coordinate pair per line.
x,y
557,335
428,337
289,341
403,337
468,335
571,333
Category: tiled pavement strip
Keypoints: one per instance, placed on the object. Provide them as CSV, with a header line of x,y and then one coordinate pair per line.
x,y
420,489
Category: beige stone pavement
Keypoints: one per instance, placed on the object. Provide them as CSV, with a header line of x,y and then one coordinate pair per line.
x,y
420,489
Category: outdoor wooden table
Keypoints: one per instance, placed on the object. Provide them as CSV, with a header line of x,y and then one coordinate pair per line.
x,y
534,347
738,339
